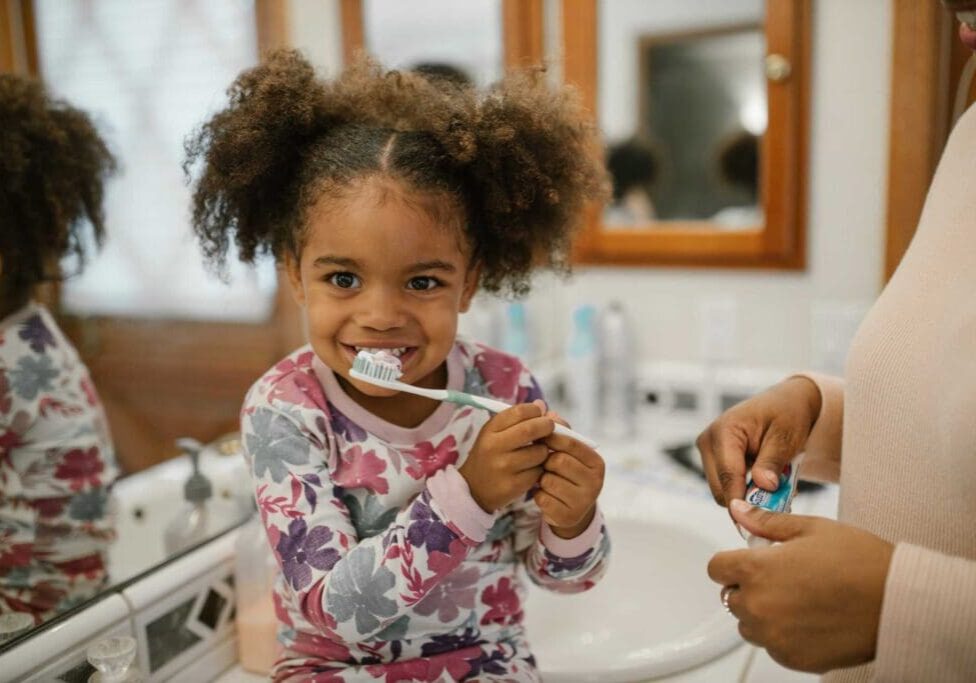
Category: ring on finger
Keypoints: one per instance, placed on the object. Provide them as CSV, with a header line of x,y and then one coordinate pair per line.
x,y
726,594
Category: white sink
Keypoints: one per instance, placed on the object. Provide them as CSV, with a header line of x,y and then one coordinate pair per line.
x,y
655,612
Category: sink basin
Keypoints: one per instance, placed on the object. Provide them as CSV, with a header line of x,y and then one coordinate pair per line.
x,y
655,612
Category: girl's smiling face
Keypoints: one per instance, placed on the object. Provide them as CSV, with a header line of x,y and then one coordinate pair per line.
x,y
380,268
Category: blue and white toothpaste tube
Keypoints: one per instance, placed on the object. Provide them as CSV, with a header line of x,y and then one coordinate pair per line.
x,y
780,500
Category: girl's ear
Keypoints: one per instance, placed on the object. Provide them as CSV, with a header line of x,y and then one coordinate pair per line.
x,y
471,280
294,272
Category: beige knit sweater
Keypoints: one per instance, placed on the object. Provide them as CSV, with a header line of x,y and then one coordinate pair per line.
x,y
900,434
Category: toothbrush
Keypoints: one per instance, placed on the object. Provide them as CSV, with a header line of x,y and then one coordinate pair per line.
x,y
383,370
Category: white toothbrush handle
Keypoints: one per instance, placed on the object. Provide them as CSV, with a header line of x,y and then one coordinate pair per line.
x,y
498,406
463,398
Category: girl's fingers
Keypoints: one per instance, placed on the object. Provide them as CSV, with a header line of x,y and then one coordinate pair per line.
x,y
557,418
578,449
526,479
525,432
568,467
529,457
563,490
551,506
513,416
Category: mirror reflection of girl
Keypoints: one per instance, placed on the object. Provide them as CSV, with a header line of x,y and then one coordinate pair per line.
x,y
56,456
398,522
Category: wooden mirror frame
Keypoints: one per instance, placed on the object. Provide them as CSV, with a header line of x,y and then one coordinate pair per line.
x,y
521,31
781,243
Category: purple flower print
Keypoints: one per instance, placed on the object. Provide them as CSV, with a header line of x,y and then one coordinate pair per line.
x,y
527,394
447,642
488,663
457,589
566,565
36,334
300,550
349,430
426,529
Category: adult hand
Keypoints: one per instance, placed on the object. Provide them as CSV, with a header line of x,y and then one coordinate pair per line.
x,y
769,429
506,458
813,601
570,485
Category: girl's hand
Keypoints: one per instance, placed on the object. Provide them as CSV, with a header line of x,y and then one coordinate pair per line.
x,y
569,487
506,459
769,428
813,601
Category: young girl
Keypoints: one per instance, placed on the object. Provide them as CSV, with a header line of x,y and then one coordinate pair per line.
x,y
398,522
56,457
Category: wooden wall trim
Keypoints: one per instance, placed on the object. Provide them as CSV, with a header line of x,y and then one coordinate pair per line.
x,y
522,32
272,25
353,31
919,97
18,43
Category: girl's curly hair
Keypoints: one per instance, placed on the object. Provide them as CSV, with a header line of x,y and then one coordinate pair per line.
x,y
519,159
53,166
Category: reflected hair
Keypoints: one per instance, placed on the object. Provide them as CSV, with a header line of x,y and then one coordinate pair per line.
x,y
54,166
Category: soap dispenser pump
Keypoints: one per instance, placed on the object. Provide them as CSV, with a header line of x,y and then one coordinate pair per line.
x,y
190,526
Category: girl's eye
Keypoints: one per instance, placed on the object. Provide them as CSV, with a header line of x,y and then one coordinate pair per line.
x,y
344,280
423,283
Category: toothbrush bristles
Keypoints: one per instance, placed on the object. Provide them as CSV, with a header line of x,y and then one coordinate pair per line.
x,y
383,369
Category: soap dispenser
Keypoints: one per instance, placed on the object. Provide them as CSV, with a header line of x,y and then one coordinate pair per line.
x,y
191,524
113,657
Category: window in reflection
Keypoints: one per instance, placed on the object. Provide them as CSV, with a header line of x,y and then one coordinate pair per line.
x,y
149,72
465,37
682,104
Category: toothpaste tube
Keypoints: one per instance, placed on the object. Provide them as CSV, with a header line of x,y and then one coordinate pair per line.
x,y
779,500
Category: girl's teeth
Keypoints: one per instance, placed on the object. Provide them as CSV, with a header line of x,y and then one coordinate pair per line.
x,y
398,352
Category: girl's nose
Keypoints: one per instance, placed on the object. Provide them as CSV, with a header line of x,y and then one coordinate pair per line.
x,y
381,312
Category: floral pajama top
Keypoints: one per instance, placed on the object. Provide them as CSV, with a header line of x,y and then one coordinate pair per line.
x,y
56,465
389,569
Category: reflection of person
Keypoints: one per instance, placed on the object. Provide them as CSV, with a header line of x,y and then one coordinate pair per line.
x,y
738,164
56,457
633,169
398,522
892,585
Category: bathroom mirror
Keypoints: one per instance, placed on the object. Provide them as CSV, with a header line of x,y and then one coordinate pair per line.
x,y
478,38
171,349
703,109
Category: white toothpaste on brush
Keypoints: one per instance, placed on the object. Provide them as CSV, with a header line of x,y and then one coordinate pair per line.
x,y
780,500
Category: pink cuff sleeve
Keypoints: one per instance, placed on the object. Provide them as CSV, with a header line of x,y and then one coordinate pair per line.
x,y
822,460
928,618
451,495
572,547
